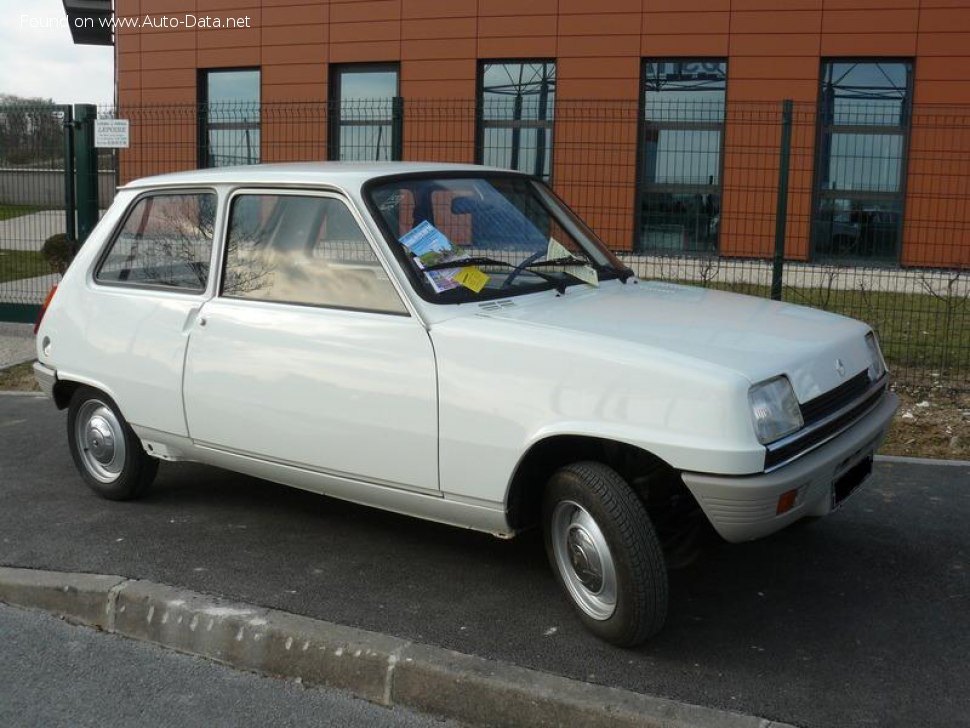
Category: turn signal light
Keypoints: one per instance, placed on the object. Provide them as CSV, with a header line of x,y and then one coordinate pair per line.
x,y
43,308
786,502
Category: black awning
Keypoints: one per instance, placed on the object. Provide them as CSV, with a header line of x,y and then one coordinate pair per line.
x,y
90,21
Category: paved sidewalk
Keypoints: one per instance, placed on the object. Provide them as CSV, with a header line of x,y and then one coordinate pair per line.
x,y
28,232
16,344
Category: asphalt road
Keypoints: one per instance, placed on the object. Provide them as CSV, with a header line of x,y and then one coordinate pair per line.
x,y
53,674
861,619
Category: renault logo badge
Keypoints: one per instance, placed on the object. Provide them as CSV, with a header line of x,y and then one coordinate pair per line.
x,y
840,367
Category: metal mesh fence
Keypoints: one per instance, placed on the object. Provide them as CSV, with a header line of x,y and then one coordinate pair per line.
x,y
874,224
32,193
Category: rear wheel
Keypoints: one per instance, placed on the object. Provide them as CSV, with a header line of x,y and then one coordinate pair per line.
x,y
106,451
603,548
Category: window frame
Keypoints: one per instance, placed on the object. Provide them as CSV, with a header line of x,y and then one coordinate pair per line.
x,y
481,123
335,123
642,188
203,147
154,287
904,131
334,193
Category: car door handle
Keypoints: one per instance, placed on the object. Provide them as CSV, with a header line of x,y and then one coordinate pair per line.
x,y
201,320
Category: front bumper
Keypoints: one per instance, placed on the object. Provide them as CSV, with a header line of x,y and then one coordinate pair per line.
x,y
742,508
46,378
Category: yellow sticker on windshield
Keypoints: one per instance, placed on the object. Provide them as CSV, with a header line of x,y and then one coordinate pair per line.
x,y
471,277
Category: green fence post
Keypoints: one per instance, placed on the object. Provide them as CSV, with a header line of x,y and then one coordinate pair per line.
x,y
70,223
781,210
397,129
86,163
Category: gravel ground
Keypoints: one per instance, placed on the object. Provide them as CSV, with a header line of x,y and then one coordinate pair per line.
x,y
16,343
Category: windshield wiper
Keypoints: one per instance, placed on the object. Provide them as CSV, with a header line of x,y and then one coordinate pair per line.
x,y
624,273
558,283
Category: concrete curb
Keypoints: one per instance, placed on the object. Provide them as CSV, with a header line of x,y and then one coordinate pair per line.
x,y
920,461
376,667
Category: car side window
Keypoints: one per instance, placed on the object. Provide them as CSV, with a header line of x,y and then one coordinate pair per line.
x,y
305,250
166,240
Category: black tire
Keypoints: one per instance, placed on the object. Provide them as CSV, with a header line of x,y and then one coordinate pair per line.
x,y
130,471
640,593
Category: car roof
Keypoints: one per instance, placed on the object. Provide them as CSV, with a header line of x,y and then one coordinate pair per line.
x,y
342,174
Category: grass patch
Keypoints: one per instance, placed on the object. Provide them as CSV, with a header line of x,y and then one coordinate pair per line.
x,y
17,264
10,211
19,378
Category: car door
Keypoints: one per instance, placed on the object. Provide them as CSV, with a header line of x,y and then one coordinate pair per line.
x,y
128,331
308,356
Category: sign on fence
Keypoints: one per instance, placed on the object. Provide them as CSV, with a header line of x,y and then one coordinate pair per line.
x,y
111,133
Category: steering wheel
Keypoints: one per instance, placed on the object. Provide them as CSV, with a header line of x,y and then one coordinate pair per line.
x,y
514,273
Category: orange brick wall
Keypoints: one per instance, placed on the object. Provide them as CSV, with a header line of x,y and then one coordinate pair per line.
x,y
773,49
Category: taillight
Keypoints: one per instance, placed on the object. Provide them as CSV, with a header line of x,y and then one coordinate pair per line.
x,y
43,308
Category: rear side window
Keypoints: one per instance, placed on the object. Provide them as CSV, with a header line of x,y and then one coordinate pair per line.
x,y
303,250
166,240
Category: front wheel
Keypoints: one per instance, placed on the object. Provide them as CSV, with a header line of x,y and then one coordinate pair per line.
x,y
105,449
605,553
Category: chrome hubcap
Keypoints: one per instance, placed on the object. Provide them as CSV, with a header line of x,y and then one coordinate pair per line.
x,y
101,441
584,560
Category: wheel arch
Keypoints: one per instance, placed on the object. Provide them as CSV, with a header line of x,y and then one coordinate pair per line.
x,y
67,384
636,465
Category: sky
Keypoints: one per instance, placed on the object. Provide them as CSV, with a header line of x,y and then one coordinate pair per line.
x,y
38,57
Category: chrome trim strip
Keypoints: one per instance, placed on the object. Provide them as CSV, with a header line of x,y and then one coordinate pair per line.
x,y
213,448
880,384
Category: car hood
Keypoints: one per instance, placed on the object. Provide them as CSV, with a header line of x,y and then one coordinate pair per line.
x,y
754,337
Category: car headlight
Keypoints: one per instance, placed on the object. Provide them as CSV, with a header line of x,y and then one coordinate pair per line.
x,y
774,409
877,365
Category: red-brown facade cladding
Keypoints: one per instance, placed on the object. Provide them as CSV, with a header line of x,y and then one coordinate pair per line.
x,y
773,48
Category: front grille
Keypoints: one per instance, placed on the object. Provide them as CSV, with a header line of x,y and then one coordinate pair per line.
x,y
835,399
806,440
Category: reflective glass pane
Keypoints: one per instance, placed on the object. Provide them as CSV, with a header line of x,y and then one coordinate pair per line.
x,y
512,94
368,143
677,156
865,92
870,162
518,90
858,229
676,222
232,118
685,90
304,250
358,84
232,146
233,87
166,240
366,113
527,150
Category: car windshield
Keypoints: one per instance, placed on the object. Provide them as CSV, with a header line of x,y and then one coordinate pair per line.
x,y
472,238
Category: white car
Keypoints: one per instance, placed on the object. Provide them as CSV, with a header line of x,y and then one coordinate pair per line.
x,y
451,342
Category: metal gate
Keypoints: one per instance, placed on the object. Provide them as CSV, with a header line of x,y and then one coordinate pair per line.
x,y
48,198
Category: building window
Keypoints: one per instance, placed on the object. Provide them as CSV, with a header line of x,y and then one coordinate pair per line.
x,y
516,102
229,117
366,112
679,204
864,119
